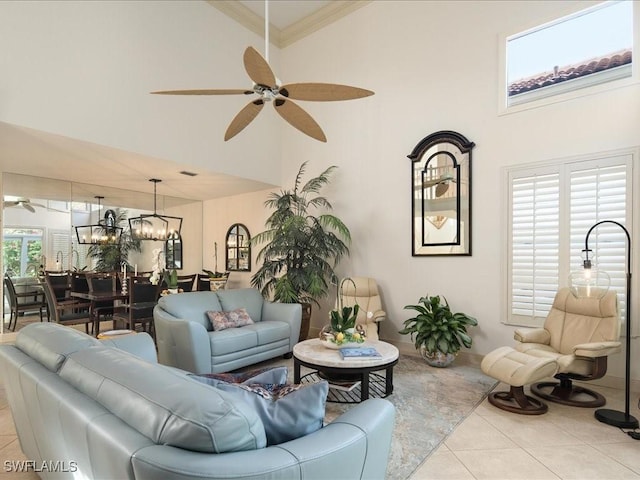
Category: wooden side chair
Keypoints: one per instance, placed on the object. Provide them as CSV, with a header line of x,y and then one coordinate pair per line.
x,y
23,301
102,310
186,282
143,296
66,312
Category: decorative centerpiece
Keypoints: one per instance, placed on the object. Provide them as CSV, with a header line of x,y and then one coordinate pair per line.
x,y
343,331
171,279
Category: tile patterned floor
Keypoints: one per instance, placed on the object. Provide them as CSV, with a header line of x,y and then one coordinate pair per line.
x,y
566,443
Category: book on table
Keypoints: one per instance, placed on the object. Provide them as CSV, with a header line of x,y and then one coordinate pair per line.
x,y
363,353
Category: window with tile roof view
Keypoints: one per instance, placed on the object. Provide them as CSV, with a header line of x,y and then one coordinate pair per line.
x,y
590,47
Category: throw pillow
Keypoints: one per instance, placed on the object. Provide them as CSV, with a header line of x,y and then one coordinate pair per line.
x,y
287,411
223,320
264,375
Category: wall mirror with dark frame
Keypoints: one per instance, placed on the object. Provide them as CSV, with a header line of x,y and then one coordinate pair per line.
x,y
238,249
173,251
441,195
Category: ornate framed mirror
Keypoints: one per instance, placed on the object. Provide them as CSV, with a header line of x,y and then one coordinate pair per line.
x,y
238,249
441,195
173,251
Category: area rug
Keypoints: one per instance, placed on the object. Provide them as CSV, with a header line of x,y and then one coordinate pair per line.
x,y
430,402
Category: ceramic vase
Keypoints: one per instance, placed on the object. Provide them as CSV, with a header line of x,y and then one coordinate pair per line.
x,y
437,359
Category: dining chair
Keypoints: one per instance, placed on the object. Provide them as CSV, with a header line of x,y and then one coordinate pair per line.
x,y
143,296
66,312
60,282
22,302
203,282
102,282
186,282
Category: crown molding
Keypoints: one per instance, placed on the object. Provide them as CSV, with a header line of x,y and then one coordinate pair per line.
x,y
247,18
281,38
322,17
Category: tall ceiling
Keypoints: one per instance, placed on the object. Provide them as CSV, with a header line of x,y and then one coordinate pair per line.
x,y
32,152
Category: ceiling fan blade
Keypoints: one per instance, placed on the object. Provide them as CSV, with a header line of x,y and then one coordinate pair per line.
x,y
258,69
299,119
441,189
8,204
29,207
323,92
430,183
243,118
204,92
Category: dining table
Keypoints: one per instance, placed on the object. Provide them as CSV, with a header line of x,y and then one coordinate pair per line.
x,y
95,298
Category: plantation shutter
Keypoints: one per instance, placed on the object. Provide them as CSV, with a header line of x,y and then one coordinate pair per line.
x,y
551,209
600,193
535,246
59,246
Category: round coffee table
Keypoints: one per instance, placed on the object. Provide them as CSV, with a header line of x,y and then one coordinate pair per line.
x,y
327,364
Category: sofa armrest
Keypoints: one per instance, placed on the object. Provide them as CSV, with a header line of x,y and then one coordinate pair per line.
x,y
140,345
355,445
537,335
596,349
182,343
284,312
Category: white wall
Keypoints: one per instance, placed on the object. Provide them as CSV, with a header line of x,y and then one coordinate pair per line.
x,y
434,66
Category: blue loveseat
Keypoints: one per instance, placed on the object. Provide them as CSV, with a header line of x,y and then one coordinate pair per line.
x,y
186,338
94,410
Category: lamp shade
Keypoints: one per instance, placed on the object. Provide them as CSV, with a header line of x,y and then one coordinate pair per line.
x,y
589,283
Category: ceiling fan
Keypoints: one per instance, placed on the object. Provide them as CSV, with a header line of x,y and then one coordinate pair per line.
x,y
27,204
269,89
441,183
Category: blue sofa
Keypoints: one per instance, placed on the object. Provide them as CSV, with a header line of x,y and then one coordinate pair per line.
x,y
186,339
98,411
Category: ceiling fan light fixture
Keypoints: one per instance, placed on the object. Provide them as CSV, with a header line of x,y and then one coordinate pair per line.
x,y
105,232
269,88
153,226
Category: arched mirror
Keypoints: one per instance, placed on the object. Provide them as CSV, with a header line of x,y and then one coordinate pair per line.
x,y
238,249
441,195
173,251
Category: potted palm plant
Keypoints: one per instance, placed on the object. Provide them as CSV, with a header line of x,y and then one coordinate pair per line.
x,y
437,331
301,249
110,257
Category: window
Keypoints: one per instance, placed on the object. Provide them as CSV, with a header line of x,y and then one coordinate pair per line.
x,y
551,208
588,48
22,251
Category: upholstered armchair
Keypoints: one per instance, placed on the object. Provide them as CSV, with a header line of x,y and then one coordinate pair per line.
x,y
579,333
364,292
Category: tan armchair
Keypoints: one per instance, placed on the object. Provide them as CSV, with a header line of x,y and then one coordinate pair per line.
x,y
579,334
364,292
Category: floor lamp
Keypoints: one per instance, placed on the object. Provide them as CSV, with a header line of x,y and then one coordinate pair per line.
x,y
595,283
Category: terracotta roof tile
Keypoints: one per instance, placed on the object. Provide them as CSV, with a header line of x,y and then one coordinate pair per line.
x,y
569,72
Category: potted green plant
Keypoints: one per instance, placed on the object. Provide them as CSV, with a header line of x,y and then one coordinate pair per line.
x,y
170,278
342,329
301,249
437,331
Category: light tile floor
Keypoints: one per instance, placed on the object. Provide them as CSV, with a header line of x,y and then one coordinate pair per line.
x,y
565,443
